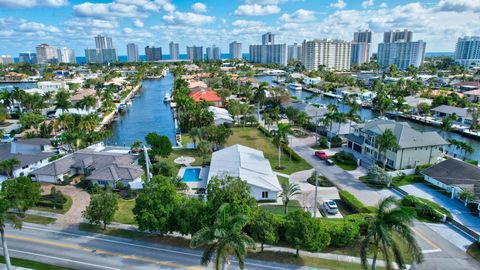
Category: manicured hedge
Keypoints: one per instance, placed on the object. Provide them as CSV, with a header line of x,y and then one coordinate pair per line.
x,y
265,131
346,158
345,231
287,150
425,210
354,203
50,204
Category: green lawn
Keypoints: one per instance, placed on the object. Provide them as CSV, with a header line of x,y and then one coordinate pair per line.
x,y
32,264
407,180
282,180
181,152
124,213
364,179
253,138
474,251
436,206
280,209
38,219
66,207
288,258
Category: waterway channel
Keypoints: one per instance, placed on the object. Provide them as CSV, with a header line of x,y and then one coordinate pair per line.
x,y
368,114
148,113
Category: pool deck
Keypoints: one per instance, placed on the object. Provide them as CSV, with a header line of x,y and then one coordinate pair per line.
x,y
193,186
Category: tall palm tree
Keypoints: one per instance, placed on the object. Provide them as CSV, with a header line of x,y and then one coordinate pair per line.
x,y
62,100
288,191
87,103
389,227
386,141
224,238
194,134
281,137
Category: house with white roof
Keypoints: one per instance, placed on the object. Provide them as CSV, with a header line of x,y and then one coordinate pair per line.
x,y
220,116
249,165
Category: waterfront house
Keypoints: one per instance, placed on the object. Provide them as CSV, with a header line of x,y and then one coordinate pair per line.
x,y
314,113
251,166
454,176
310,81
466,86
84,92
463,117
15,77
347,91
32,154
199,94
414,101
98,167
51,86
473,95
220,116
196,83
415,147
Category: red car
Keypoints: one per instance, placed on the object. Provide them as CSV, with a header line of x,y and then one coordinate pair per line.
x,y
321,155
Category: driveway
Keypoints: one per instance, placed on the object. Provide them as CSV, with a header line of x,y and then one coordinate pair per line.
x,y
80,199
342,179
456,207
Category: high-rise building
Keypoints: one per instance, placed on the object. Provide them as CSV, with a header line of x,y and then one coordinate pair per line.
x,y
294,52
400,50
397,36
46,54
93,56
27,57
195,53
235,50
66,55
174,51
333,54
268,39
109,55
361,47
467,52
268,52
103,42
213,53
153,53
132,52
6,59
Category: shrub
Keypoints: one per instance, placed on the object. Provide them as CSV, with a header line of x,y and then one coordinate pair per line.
x,y
420,168
336,142
424,210
342,232
289,151
473,162
265,131
354,203
473,207
346,158
66,180
119,185
378,176
323,142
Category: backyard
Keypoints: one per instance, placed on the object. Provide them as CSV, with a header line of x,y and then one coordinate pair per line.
x,y
124,213
253,138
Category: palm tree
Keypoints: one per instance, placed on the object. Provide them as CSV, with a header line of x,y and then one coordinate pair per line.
x,y
387,141
389,227
62,100
136,146
87,103
288,191
7,216
224,238
7,166
281,137
194,134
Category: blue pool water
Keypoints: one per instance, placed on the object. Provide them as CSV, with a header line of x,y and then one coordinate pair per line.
x,y
191,175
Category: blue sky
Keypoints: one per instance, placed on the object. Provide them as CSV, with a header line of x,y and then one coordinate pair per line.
x,y
73,23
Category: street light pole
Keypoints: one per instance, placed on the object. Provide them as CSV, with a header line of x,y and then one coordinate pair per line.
x,y
147,162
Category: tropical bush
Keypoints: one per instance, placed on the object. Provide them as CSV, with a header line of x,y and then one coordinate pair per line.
x,y
378,176
354,203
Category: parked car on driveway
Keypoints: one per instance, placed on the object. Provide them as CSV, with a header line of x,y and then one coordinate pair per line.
x,y
6,139
330,207
329,162
321,155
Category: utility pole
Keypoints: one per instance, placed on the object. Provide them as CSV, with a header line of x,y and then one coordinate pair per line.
x,y
315,202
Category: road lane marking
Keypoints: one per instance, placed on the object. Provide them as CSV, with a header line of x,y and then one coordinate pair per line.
x,y
426,251
62,259
425,238
100,237
97,251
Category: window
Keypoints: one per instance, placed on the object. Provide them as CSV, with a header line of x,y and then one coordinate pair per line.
x,y
264,194
101,182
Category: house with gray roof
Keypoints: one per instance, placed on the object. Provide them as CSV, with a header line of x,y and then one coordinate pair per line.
x,y
32,154
98,167
454,176
415,147
462,115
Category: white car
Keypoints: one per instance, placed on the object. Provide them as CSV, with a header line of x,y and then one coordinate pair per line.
x,y
330,207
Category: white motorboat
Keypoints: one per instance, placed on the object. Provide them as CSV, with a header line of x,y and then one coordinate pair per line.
x,y
167,98
295,86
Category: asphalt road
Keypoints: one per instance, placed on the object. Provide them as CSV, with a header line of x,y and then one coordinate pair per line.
x,y
80,250
439,253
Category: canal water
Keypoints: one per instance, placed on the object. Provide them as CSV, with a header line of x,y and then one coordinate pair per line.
x,y
148,113
19,85
368,114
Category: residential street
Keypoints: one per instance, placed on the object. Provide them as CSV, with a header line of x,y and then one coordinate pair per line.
x,y
79,250
441,251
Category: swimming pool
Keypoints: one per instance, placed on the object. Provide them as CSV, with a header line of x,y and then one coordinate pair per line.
x,y
191,175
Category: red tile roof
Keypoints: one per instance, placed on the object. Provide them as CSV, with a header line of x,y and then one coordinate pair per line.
x,y
206,94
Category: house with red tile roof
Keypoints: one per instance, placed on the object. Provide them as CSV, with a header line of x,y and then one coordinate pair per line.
x,y
199,93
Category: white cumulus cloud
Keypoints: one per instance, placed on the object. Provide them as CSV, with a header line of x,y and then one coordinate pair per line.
x,y
138,23
256,10
247,23
300,15
187,18
32,3
459,5
367,3
339,4
199,7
